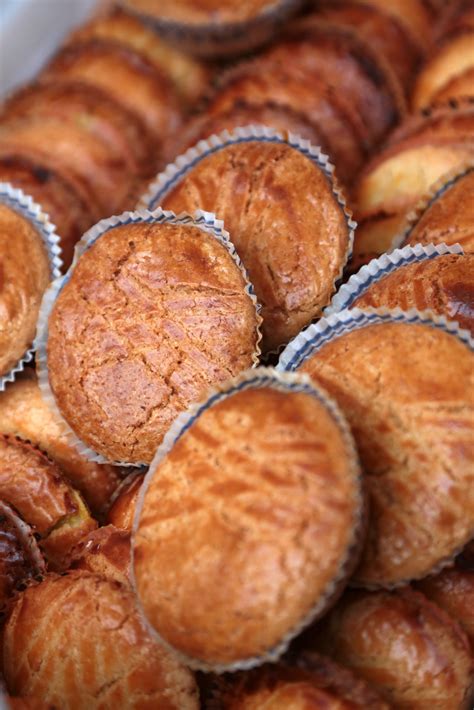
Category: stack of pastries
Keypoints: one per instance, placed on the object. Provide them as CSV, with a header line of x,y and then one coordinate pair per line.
x,y
236,360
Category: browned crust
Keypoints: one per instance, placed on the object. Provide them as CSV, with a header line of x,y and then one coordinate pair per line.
x,y
411,421
76,641
106,552
284,535
122,511
163,325
25,414
459,87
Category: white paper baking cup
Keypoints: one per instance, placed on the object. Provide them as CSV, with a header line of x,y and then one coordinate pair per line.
x,y
313,338
205,221
384,265
212,39
24,205
263,377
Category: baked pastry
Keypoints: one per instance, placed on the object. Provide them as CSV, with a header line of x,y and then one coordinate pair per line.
x,y
411,420
24,413
453,590
439,217
414,15
34,486
381,28
97,655
189,76
315,683
25,275
262,80
257,187
281,117
58,196
443,285
122,511
410,650
263,543
127,77
460,87
167,314
452,58
20,557
106,552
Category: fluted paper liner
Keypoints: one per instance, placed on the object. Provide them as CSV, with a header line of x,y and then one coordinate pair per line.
x,y
262,377
384,265
213,39
24,205
205,221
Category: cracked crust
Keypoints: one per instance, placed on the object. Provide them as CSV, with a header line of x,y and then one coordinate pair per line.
x,y
443,285
248,524
410,650
77,643
106,552
407,392
24,413
314,683
152,316
34,486
439,218
292,240
24,276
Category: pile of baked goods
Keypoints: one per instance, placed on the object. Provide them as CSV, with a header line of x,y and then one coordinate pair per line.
x,y
236,360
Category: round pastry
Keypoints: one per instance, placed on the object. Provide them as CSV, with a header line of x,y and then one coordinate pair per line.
x,y
263,80
285,216
20,557
215,27
189,76
127,77
316,683
406,389
24,413
443,285
439,217
410,650
255,512
122,510
452,58
26,271
58,196
106,552
453,590
34,486
77,642
151,316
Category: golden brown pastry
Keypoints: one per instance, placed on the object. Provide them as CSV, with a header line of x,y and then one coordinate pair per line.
x,y
381,28
25,273
412,421
256,513
122,510
452,58
285,221
24,413
443,215
444,285
167,315
34,486
453,590
414,15
317,683
460,87
262,80
106,552
125,76
57,195
78,643
190,77
410,650
20,557
206,11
